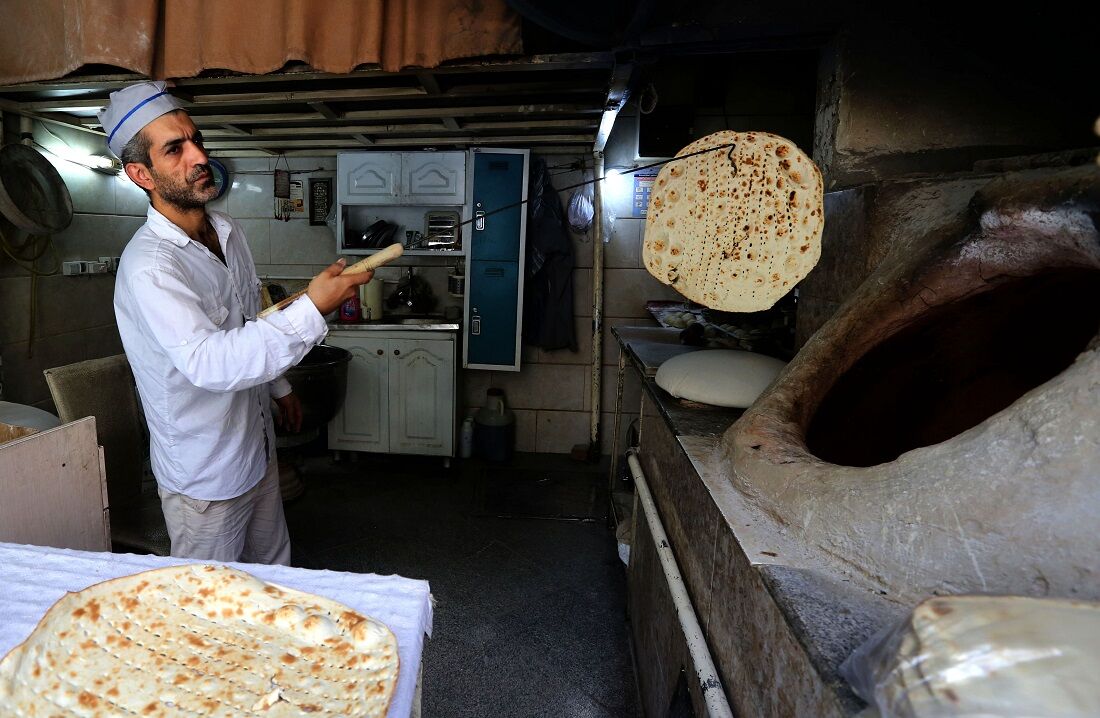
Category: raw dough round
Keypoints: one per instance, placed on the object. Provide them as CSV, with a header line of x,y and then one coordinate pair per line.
x,y
721,377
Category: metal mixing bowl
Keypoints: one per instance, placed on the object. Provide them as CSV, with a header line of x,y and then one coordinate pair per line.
x,y
319,380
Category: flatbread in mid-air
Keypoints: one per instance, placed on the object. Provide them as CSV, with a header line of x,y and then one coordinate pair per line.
x,y
199,640
737,227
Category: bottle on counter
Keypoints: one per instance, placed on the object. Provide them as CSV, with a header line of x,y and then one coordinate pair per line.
x,y
351,311
466,438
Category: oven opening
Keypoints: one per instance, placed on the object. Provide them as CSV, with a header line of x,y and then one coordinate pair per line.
x,y
956,366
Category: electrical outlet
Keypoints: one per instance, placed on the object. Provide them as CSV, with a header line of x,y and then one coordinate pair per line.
x,y
105,265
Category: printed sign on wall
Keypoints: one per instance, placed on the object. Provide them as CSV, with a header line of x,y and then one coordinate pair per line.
x,y
643,186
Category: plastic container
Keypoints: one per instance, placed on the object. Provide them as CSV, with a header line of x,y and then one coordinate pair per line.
x,y
466,438
370,298
350,311
494,429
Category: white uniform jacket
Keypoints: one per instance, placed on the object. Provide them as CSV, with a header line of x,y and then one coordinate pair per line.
x,y
206,368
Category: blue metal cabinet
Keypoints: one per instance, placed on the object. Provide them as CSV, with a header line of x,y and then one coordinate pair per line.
x,y
494,277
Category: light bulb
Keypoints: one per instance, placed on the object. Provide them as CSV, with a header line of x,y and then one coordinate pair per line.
x,y
83,158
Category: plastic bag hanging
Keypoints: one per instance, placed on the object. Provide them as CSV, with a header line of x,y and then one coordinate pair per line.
x,y
977,656
580,207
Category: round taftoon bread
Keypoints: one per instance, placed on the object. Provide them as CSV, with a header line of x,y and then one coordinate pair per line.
x,y
199,640
735,228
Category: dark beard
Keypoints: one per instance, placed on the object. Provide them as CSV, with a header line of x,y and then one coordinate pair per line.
x,y
187,195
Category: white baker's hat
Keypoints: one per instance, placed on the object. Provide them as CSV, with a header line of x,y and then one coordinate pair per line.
x,y
131,109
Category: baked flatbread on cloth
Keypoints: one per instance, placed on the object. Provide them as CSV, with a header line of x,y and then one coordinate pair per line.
x,y
736,228
199,640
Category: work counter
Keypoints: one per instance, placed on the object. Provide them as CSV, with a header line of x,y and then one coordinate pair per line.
x,y
776,634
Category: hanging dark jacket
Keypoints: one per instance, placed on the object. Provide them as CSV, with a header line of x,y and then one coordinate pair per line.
x,y
548,274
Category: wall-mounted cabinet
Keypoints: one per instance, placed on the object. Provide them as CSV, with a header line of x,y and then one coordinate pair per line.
x,y
368,177
436,179
401,393
400,189
426,179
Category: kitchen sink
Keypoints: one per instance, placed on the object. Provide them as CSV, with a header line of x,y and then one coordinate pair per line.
x,y
414,320
404,322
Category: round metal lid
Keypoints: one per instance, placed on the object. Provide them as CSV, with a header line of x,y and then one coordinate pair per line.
x,y
32,194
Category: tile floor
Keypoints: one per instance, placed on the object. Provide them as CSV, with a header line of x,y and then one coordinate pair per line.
x,y
530,616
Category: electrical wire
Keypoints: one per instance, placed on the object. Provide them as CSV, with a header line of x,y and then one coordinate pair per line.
x,y
731,147
19,254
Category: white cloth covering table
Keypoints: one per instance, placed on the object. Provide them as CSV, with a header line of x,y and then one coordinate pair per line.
x,y
32,578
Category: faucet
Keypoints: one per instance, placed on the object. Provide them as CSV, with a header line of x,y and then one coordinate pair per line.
x,y
403,293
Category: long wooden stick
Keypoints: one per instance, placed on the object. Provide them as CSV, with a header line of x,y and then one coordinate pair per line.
x,y
374,261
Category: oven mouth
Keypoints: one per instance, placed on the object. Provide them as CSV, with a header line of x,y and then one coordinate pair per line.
x,y
955,365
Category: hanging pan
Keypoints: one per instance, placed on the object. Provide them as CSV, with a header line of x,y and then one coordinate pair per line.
x,y
32,194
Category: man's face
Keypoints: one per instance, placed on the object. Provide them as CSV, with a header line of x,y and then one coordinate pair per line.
x,y
180,173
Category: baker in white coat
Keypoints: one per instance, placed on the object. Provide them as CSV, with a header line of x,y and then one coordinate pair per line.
x,y
207,370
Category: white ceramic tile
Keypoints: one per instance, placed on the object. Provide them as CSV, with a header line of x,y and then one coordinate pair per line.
x,y
129,198
257,232
91,192
626,292
15,298
526,429
543,386
296,242
625,248
89,235
557,432
68,242
251,196
248,164
221,204
74,303
119,232
474,384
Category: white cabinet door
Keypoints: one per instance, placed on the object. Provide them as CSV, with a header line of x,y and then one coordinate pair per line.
x,y
369,177
433,178
422,396
362,424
